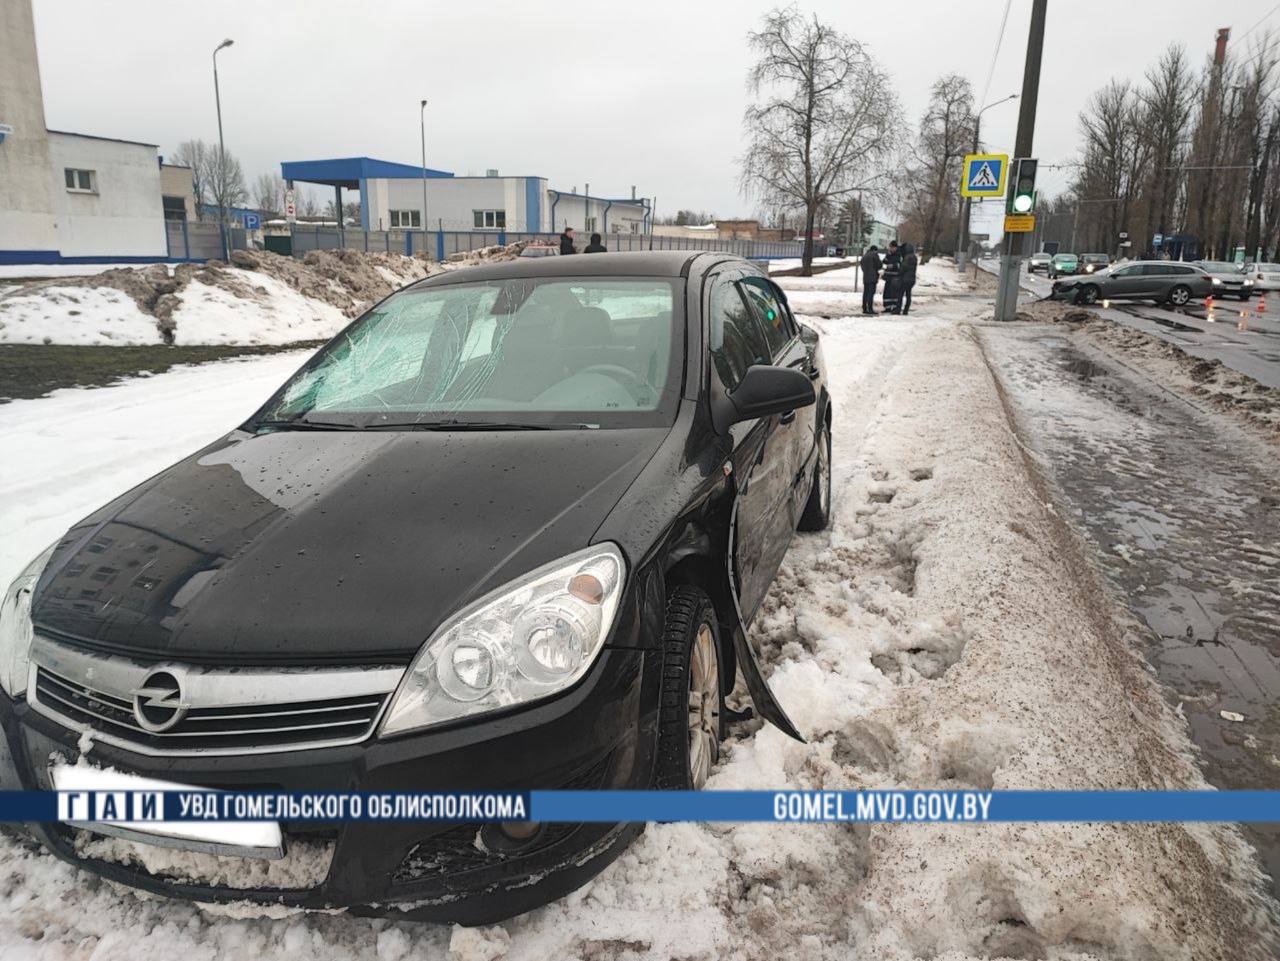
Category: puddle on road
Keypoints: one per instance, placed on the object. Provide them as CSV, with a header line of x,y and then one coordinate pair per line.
x,y
1185,526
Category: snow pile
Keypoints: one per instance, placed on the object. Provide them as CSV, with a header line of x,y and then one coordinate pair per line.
x,y
939,275
259,298
944,633
95,316
304,865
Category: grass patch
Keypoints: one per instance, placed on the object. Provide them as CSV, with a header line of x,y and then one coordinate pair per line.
x,y
33,370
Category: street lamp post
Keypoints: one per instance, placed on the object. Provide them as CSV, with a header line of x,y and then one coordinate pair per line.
x,y
962,241
422,120
222,155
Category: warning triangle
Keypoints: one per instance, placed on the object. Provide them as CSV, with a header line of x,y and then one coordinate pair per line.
x,y
983,176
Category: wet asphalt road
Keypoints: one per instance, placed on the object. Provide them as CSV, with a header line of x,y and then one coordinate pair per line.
x,y
1184,517
1234,332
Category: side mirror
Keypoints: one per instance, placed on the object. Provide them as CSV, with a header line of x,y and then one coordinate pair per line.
x,y
766,390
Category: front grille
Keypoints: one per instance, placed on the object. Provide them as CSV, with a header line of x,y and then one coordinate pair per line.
x,y
259,726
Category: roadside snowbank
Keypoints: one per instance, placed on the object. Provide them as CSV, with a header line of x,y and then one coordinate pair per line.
x,y
260,298
943,633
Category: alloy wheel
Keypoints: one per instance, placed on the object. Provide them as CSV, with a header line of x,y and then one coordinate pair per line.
x,y
704,706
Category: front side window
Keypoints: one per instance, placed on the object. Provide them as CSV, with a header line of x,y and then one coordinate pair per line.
x,y
406,219
736,340
555,352
769,312
490,219
80,181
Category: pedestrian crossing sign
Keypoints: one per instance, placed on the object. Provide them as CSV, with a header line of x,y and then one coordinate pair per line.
x,y
983,174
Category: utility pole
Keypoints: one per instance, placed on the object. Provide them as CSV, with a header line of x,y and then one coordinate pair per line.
x,y
422,123
222,157
1011,261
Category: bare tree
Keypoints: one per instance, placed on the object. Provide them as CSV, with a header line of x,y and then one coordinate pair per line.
x,y
946,131
218,180
823,119
306,203
194,154
268,193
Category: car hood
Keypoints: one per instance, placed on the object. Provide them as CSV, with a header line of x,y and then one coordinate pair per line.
x,y
328,546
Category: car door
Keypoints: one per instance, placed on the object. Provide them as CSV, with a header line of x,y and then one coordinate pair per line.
x,y
1123,283
785,350
762,456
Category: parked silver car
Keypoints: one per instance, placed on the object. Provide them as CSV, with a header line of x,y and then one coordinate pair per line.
x,y
1159,280
1265,276
1229,278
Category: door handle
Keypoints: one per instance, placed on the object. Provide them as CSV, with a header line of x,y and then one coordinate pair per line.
x,y
787,417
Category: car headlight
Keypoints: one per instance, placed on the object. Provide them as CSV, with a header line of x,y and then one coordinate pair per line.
x,y
15,626
1217,281
531,638
1248,282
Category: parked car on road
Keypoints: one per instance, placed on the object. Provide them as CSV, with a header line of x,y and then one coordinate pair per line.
x,y
505,531
540,250
1092,263
1265,276
1039,261
1159,280
1229,278
1063,265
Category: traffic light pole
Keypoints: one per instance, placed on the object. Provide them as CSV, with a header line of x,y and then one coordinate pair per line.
x,y
1011,259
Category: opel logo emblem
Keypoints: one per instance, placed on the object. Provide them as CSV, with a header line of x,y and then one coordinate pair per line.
x,y
158,704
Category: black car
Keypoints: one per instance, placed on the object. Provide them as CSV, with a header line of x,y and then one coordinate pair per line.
x,y
503,532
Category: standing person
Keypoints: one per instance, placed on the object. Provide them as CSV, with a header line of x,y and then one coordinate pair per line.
x,y
595,247
870,277
891,299
908,275
566,242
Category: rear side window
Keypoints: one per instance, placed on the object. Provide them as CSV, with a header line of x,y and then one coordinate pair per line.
x,y
770,313
736,340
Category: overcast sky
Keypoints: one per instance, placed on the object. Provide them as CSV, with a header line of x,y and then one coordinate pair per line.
x,y
606,93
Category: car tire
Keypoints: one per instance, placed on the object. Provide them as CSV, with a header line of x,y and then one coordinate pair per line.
x,y
817,509
1179,295
689,729
1088,294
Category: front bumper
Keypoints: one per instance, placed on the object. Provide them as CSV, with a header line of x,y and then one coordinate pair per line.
x,y
601,734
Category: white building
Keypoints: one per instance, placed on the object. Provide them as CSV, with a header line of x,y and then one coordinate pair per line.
x,y
391,198
65,196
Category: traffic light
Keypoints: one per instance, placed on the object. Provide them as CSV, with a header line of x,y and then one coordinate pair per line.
x,y
1022,198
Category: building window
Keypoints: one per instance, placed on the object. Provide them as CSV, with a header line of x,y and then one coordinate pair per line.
x,y
175,208
490,219
635,227
81,181
591,225
406,219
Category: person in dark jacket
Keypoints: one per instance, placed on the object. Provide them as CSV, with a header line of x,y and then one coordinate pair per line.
x,y
892,298
870,277
595,247
908,276
566,242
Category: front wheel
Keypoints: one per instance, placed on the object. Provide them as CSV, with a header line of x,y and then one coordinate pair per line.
x,y
1088,294
690,724
1180,295
817,509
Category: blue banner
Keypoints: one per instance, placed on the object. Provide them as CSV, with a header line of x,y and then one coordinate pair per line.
x,y
122,806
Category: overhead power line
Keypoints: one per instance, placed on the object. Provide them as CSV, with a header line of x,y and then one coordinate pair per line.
x,y
986,89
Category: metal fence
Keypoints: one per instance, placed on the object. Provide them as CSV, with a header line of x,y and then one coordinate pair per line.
x,y
441,244
193,240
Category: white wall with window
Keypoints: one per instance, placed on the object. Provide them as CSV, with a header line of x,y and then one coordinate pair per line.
x,y
457,203
107,197
588,215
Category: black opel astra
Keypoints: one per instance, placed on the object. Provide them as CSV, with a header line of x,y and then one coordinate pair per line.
x,y
503,532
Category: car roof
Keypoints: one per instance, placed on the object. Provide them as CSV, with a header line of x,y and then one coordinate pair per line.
x,y
657,263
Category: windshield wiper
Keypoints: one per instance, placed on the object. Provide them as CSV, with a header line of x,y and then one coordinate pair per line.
x,y
480,425
297,423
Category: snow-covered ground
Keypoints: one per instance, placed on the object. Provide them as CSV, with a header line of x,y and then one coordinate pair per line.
x,y
946,632
28,271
